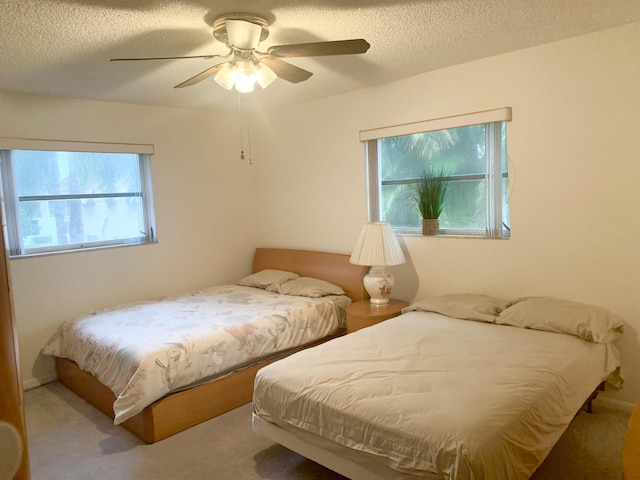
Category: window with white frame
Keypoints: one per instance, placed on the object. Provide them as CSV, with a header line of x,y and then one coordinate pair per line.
x,y
64,196
470,149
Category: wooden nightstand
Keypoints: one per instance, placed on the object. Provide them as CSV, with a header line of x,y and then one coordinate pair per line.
x,y
631,447
362,314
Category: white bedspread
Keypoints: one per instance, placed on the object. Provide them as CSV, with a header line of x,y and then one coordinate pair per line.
x,y
145,350
437,396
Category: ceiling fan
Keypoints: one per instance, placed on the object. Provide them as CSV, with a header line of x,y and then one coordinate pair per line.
x,y
246,66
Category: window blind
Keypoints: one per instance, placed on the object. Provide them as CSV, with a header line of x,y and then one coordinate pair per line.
x,y
73,146
487,116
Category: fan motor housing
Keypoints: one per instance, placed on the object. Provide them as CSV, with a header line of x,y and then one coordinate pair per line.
x,y
220,26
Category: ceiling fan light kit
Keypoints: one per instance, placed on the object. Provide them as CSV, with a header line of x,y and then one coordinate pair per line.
x,y
246,66
243,74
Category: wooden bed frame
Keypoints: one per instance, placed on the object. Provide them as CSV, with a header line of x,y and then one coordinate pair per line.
x,y
181,410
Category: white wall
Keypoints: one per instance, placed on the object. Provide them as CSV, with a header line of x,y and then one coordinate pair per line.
x,y
574,175
204,211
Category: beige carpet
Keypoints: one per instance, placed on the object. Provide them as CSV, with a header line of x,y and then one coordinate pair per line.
x,y
70,440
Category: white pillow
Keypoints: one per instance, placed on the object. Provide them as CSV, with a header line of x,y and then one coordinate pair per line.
x,y
267,278
466,306
588,322
306,287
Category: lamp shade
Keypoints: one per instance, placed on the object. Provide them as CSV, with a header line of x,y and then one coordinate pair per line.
x,y
264,75
377,246
226,77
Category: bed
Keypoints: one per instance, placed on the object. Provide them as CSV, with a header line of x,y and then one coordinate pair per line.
x,y
184,359
458,387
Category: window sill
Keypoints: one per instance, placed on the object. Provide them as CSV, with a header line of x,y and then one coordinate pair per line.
x,y
407,233
77,250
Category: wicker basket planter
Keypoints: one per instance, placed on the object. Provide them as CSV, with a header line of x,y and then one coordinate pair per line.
x,y
430,226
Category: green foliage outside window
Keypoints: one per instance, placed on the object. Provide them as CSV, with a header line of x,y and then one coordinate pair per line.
x,y
461,152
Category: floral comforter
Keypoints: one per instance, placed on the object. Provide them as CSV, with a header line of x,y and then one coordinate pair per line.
x,y
145,350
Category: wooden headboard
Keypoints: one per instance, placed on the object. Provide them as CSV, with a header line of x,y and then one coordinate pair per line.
x,y
332,267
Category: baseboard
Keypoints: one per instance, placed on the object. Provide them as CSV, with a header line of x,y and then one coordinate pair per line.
x,y
32,383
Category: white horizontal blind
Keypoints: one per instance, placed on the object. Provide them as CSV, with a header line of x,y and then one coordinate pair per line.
x,y
73,146
487,116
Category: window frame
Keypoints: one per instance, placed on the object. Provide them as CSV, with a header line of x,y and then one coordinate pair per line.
x,y
494,121
11,200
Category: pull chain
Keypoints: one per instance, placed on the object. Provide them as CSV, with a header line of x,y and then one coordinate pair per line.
x,y
249,140
240,117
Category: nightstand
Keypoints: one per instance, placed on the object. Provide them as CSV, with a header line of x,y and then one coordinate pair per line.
x,y
362,314
631,447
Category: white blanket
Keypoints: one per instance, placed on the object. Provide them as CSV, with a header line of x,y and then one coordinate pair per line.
x,y
456,399
145,350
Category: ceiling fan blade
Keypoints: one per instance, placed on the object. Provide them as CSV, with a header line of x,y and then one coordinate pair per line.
x,y
167,58
286,71
339,47
201,76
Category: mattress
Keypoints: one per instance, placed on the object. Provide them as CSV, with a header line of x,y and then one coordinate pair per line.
x,y
438,397
145,350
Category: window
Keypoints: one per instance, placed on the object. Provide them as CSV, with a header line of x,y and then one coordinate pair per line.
x,y
471,149
61,196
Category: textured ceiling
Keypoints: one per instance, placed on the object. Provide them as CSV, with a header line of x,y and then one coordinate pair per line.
x,y
63,47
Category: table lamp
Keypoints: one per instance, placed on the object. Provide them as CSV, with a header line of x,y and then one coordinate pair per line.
x,y
378,248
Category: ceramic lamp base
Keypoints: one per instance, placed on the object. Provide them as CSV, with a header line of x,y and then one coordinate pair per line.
x,y
378,283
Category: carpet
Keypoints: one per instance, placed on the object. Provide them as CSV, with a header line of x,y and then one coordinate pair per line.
x,y
71,440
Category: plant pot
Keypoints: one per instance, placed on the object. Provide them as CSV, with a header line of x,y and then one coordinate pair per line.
x,y
430,226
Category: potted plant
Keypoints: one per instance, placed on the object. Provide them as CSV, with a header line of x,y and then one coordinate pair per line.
x,y
427,195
